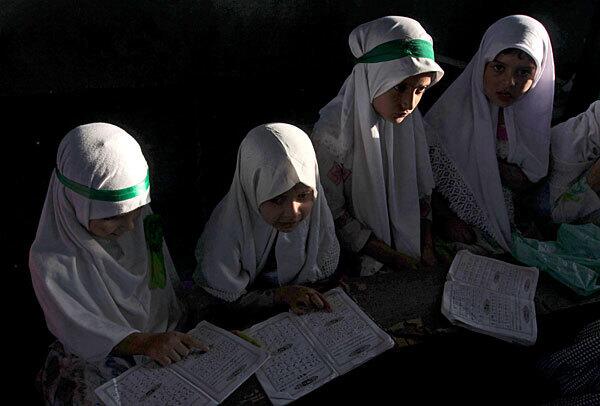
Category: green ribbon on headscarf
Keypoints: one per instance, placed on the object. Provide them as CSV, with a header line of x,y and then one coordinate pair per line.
x,y
398,48
105,195
153,232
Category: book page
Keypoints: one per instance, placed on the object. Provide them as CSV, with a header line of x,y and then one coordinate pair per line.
x,y
229,361
295,366
493,274
153,385
347,333
488,312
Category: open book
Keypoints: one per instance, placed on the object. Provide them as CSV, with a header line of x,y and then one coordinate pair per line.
x,y
310,350
491,297
201,378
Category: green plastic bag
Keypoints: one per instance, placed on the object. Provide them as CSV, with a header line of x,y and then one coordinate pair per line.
x,y
573,259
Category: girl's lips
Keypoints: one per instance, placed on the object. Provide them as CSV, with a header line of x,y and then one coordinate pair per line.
x,y
287,224
504,96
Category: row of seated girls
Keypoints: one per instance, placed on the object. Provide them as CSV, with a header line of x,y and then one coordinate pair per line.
x,y
102,272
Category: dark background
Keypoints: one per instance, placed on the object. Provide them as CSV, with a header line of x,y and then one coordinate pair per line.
x,y
188,79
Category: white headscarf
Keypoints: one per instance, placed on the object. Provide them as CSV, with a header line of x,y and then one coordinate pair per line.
x,y
385,196
95,292
236,241
575,148
577,140
464,123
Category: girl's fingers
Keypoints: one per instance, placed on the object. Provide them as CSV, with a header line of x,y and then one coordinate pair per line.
x,y
320,302
303,300
174,356
326,305
316,301
163,361
298,310
182,350
192,342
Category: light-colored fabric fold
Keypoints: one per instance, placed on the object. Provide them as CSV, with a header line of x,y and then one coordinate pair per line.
x,y
575,149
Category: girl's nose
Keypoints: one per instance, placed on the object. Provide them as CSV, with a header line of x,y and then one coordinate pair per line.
x,y
127,225
509,80
293,210
408,101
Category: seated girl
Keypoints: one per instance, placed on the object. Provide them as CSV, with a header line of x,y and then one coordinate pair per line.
x,y
100,268
574,181
370,143
273,231
489,133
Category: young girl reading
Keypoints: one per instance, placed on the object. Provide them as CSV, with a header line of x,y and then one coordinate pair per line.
x,y
273,231
100,268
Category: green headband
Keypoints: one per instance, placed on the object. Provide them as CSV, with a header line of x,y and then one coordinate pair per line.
x,y
105,195
398,48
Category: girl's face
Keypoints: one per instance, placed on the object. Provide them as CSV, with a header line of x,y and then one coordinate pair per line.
x,y
286,211
114,227
508,77
398,102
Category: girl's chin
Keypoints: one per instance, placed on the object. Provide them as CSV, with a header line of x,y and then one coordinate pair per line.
x,y
286,228
398,118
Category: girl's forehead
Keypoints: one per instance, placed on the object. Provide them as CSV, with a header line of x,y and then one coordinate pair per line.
x,y
422,79
514,59
299,187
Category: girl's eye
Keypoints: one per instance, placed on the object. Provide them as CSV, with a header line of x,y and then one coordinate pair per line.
x,y
420,90
524,73
497,67
305,196
400,88
279,200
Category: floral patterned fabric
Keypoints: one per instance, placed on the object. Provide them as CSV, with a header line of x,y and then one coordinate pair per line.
x,y
66,379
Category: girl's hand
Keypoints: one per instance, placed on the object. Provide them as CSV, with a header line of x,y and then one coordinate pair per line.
x,y
403,262
428,257
457,230
164,348
301,299
513,177
379,250
593,177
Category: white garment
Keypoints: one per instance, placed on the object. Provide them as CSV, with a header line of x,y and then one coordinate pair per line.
x,y
464,123
236,241
94,293
575,149
385,195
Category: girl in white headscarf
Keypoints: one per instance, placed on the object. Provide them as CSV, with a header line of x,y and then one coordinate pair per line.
x,y
371,146
273,229
100,268
489,132
574,181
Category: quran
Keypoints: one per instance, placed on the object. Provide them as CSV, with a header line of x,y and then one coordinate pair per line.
x,y
201,378
492,297
310,350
